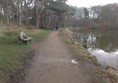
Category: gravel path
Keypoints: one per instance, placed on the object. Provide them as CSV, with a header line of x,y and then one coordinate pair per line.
x,y
52,63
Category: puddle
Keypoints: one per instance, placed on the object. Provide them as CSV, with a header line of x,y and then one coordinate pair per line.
x,y
73,61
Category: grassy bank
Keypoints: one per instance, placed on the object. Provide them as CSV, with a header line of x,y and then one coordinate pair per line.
x,y
15,56
88,64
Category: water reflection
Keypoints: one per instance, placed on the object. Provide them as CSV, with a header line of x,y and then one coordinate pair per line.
x,y
102,44
105,58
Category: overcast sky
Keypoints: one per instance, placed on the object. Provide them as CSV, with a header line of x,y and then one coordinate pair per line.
x,y
88,3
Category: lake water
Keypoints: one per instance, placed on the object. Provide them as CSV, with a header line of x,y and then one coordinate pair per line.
x,y
101,43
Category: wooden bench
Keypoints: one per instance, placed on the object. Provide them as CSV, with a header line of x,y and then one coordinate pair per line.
x,y
27,40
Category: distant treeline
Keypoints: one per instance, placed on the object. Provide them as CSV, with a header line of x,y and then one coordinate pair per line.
x,y
57,13
97,16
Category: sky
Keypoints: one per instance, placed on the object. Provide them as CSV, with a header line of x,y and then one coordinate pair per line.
x,y
88,3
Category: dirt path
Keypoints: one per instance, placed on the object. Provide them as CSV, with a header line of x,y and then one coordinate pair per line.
x,y
52,63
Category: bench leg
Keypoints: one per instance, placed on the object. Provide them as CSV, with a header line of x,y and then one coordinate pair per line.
x,y
28,42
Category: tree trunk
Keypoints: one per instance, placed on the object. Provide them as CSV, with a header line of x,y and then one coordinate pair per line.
x,y
26,13
17,13
7,13
37,13
7,19
20,13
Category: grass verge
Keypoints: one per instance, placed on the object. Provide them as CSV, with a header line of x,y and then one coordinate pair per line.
x,y
14,57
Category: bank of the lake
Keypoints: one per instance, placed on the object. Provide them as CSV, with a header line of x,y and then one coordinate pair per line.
x,y
15,57
101,43
88,62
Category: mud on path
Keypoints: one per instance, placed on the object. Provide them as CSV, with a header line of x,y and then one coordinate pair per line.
x,y
52,63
